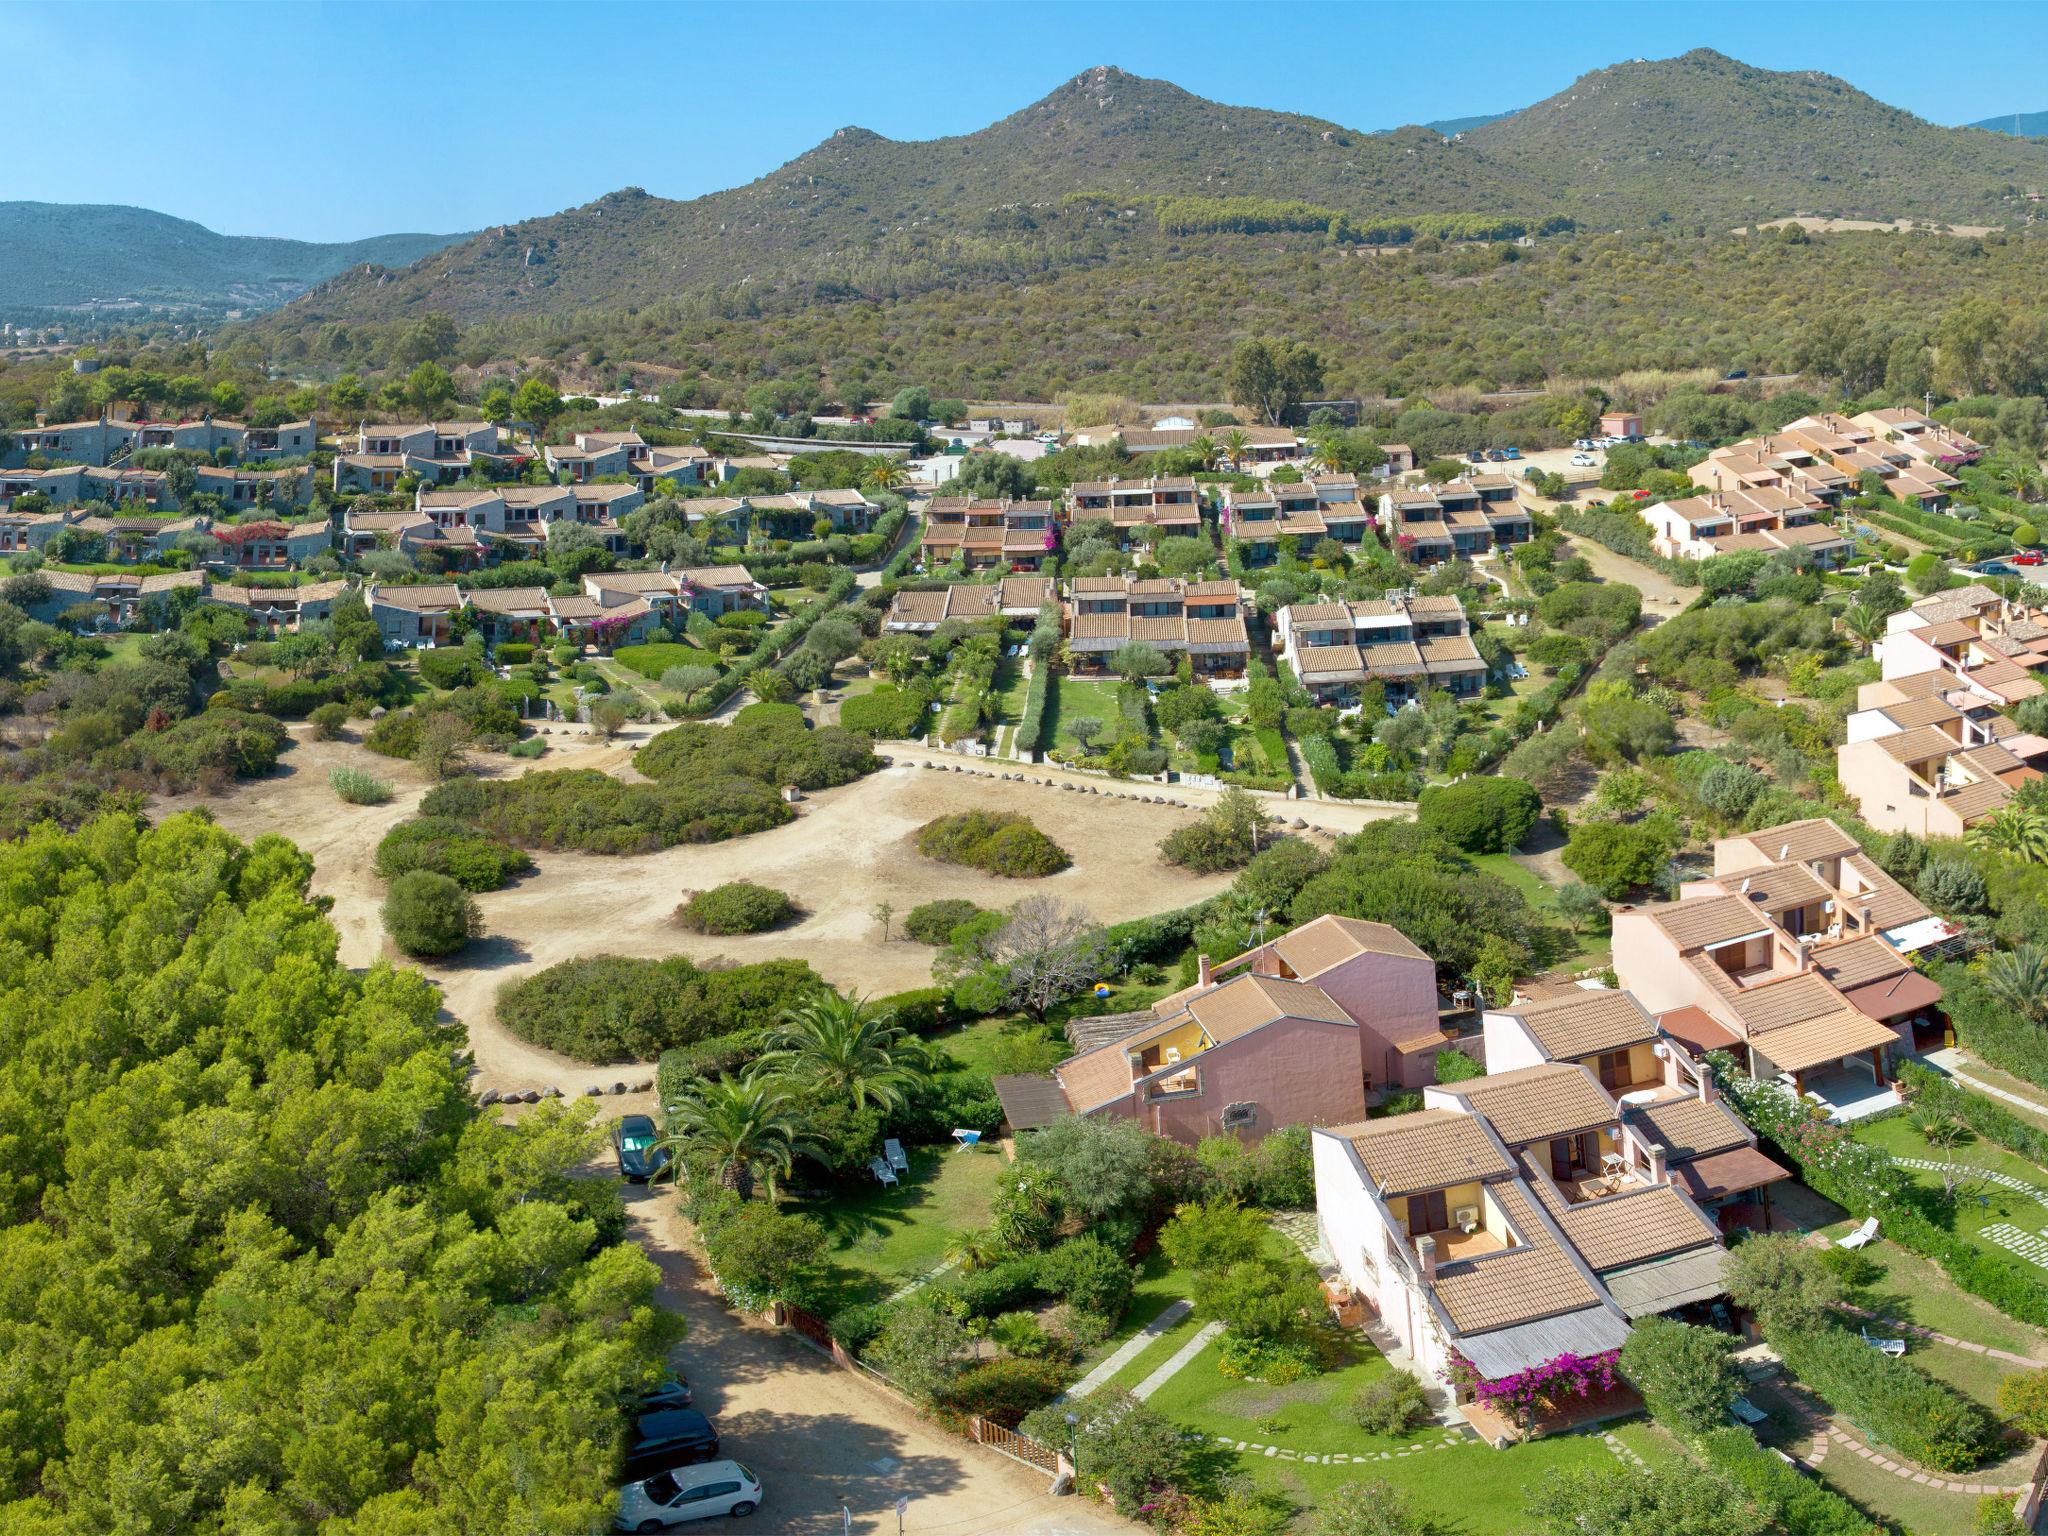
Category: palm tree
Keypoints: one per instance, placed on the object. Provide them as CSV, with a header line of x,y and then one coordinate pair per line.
x,y
1204,449
1864,622
851,1049
1235,446
885,474
744,1127
2018,979
2019,833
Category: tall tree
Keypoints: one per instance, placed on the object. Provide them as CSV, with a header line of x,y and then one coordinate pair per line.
x,y
849,1049
744,1128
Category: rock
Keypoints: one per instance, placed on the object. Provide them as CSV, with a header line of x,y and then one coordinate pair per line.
x,y
551,1092
488,1096
1297,822
531,1096
645,1085
591,1090
617,1089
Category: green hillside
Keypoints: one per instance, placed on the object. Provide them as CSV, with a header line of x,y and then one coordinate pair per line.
x,y
2022,125
55,255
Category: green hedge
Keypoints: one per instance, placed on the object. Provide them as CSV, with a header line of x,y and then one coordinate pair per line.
x,y
1802,1505
653,659
1031,730
720,1054
1988,1118
2004,1037
1893,1402
889,713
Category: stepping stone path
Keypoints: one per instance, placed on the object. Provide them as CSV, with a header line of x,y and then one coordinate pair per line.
x,y
2031,1246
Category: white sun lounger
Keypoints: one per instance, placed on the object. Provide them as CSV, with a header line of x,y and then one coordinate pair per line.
x,y
1861,1236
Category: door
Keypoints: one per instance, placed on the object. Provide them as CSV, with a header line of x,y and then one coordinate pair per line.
x,y
1428,1213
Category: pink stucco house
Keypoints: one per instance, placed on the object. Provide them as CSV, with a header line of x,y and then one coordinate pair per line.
x,y
1294,1032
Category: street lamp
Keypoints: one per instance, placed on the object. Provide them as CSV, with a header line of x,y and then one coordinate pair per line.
x,y
1074,1440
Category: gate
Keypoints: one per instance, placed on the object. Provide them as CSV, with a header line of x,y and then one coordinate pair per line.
x,y
1033,1453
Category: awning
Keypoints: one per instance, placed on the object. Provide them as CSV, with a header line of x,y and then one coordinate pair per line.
x,y
1728,1173
1658,1287
1698,1030
1031,1100
1895,996
1813,1042
1505,1351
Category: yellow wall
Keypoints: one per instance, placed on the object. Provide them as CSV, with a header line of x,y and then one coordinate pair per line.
x,y
1187,1040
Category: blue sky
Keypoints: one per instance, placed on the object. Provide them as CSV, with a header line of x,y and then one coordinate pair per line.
x,y
332,122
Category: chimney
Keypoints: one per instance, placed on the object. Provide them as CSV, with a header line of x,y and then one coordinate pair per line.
x,y
1201,970
1425,1254
1706,1076
1659,1173
1863,914
1805,953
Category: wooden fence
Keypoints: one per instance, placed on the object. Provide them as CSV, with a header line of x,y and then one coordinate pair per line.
x,y
1033,1453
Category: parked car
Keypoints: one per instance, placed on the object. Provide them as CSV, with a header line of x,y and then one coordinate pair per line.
x,y
1582,461
1511,453
671,1392
1475,457
1495,456
2028,557
1736,373
671,1438
633,1143
1583,442
688,1493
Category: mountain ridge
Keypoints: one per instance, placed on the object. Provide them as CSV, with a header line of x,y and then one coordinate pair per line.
x,y
70,255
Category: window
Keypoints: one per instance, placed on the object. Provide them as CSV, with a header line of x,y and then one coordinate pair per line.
x,y
1614,1069
1428,1213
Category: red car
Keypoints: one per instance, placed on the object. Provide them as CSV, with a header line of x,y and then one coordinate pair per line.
x,y
1642,495
2029,557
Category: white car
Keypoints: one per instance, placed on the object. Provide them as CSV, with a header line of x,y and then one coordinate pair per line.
x,y
702,1492
1582,461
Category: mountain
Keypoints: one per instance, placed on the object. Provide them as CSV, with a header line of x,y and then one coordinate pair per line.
x,y
2021,125
62,255
1450,127
1703,136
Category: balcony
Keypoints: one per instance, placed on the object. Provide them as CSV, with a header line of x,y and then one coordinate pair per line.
x,y
1453,1245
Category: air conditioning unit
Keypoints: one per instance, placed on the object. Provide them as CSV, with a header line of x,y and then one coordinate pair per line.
x,y
1466,1218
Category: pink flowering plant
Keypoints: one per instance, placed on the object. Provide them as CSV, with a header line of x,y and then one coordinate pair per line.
x,y
1524,1391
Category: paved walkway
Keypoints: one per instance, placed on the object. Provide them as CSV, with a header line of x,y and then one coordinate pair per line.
x,y
1130,1349
1941,1338
1182,1358
1950,1061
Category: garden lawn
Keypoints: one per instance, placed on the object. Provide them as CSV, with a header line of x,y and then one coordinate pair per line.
x,y
883,1237
1900,1503
650,661
1980,1203
1595,949
1910,1289
1076,698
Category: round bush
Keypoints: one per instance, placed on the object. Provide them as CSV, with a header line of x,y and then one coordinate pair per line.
x,y
328,721
996,842
739,906
933,922
1489,815
428,914
446,846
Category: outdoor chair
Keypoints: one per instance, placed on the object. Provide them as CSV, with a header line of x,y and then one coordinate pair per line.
x,y
881,1170
1896,1348
1861,1237
893,1150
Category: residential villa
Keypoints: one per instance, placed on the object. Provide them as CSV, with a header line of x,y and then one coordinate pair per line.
x,y
269,545
796,514
120,597
1866,445
1308,511
1407,642
1933,756
1202,620
1763,519
1262,445
435,452
1993,646
414,616
1528,1214
1014,598
1797,957
1429,524
1923,439
109,440
712,590
1296,1031
1171,505
1013,535
1783,462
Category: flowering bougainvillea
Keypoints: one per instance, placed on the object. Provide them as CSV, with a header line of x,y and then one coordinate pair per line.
x,y
1565,1375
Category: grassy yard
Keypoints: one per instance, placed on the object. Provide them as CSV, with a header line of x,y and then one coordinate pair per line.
x,y
650,661
1910,1289
884,1237
1595,949
1078,698
1981,1204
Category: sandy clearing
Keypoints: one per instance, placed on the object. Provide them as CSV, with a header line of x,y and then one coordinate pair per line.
x,y
849,849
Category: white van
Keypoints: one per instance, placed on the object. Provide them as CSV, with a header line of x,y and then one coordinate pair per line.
x,y
709,1489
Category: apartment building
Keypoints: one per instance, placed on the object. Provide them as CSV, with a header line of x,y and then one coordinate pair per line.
x,y
1525,1215
983,535
121,598
1306,512
1202,620
1294,1032
109,440
1856,447
79,485
1016,599
1993,646
436,452
1733,521
1168,505
1407,642
1262,445
1782,462
269,545
712,590
1922,438
1930,755
1799,953
1458,520
797,514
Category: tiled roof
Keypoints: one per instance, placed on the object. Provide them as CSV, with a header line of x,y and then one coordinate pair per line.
x,y
1328,941
1633,1227
1425,1149
1815,1042
1096,1077
1802,841
1687,1128
1778,887
1519,1286
1537,1103
1891,904
1702,920
1586,1022
1246,1003
1791,1000
1857,962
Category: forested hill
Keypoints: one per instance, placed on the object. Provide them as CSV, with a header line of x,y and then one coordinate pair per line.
x,y
1079,180
55,255
2025,125
1705,136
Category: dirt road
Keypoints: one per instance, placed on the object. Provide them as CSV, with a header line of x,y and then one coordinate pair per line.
x,y
816,1435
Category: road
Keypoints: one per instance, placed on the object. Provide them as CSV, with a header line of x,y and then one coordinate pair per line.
x,y
815,1434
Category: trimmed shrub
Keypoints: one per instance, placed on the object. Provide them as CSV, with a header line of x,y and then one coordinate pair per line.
x,y
452,848
996,842
858,1326
1088,1275
584,809
514,653
606,1008
1893,1401
933,922
996,1287
428,914
1391,1404
775,749
1003,1390
328,721
1803,1506
714,1057
922,1011
1683,1373
1482,815
738,906
358,787
451,666
888,713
